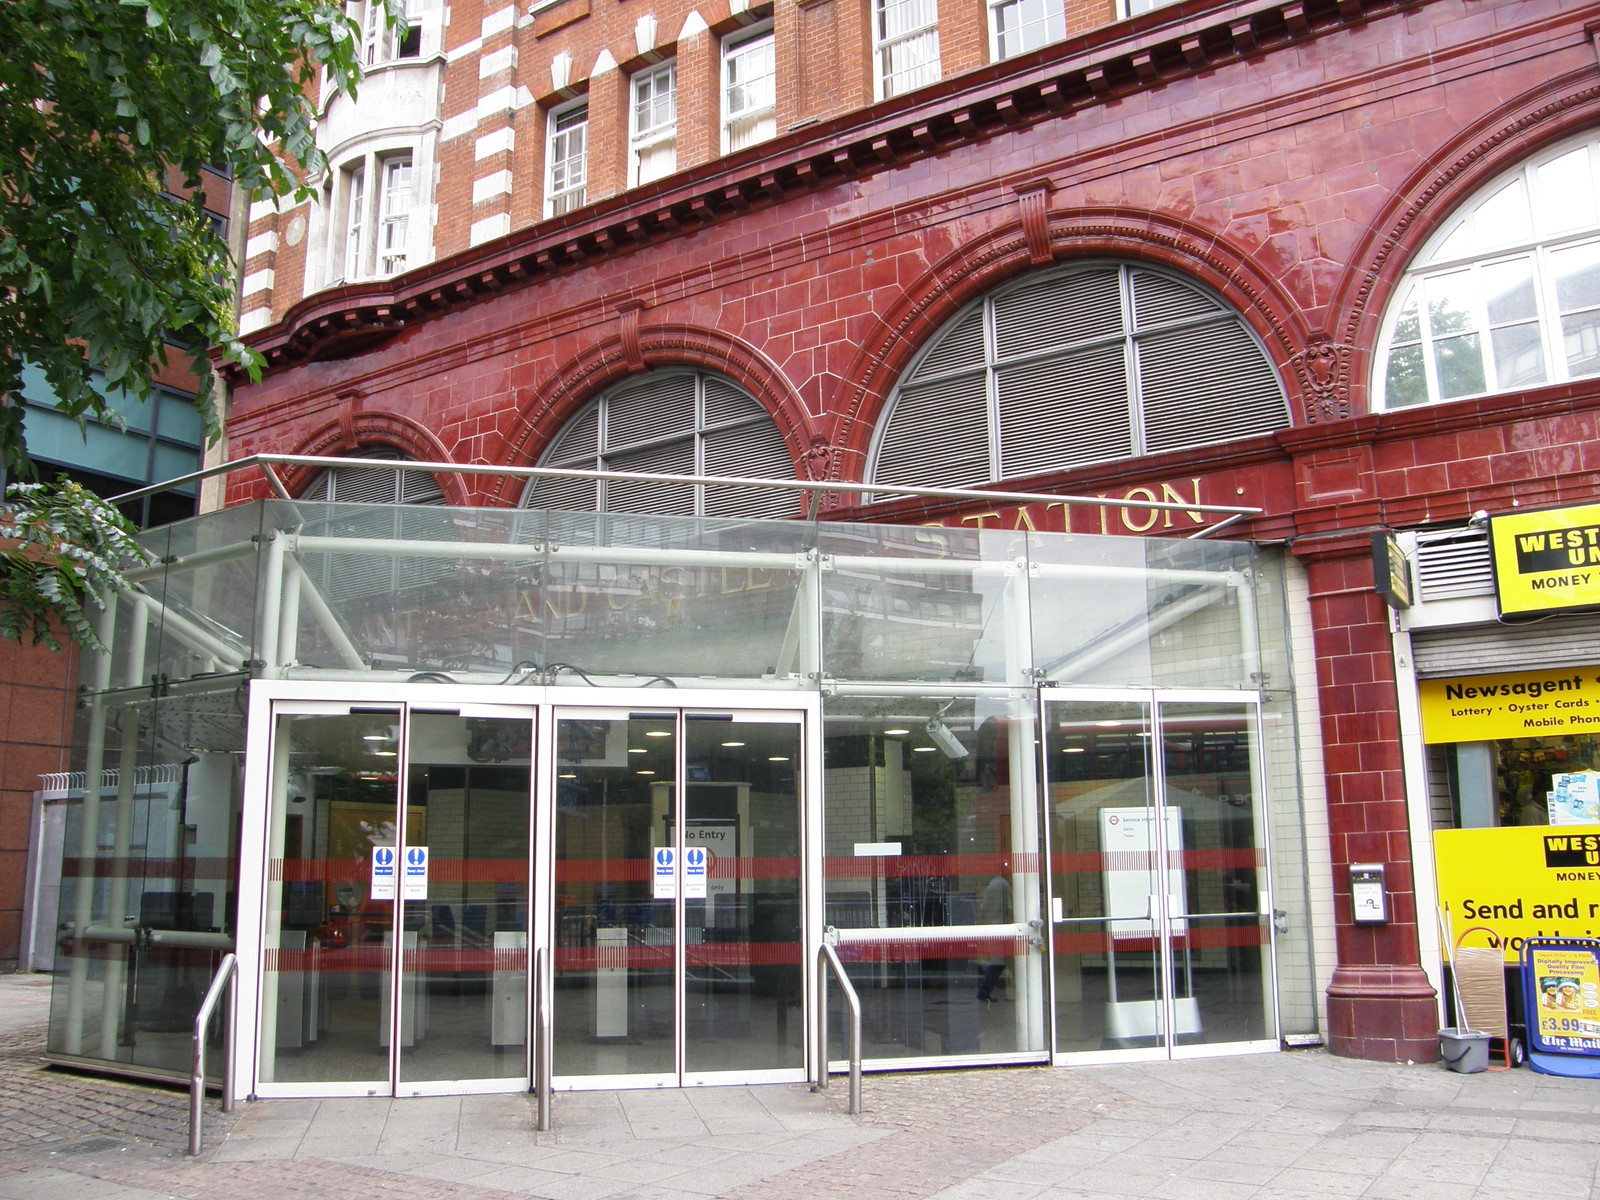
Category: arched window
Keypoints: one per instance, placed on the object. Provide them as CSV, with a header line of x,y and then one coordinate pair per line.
x,y
1087,363
670,422
1507,294
375,485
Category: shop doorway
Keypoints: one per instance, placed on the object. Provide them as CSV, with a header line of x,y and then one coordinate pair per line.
x,y
678,897
395,922
1161,908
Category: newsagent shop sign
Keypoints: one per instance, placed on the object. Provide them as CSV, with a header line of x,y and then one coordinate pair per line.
x,y
1482,708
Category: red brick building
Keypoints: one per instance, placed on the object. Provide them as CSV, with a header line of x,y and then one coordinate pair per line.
x,y
532,208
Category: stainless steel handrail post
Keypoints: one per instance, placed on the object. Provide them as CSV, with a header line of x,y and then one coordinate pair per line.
x,y
543,1040
226,979
828,960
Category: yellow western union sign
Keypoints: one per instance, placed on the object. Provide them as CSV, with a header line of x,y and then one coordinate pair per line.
x,y
1523,881
1547,560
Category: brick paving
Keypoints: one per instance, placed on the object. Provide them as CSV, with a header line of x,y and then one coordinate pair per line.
x,y
1258,1127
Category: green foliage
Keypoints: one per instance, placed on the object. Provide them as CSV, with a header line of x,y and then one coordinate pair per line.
x,y
62,548
99,101
104,106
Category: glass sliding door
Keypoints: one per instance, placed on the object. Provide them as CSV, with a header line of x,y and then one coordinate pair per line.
x,y
464,960
1106,876
1160,909
744,994
1210,772
395,918
677,897
931,872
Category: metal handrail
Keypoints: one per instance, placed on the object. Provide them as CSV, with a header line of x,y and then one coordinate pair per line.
x,y
543,1040
226,979
828,960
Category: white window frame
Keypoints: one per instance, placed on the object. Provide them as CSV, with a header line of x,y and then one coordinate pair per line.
x,y
394,212
371,215
918,41
1510,226
1038,23
382,44
353,183
571,191
652,132
755,120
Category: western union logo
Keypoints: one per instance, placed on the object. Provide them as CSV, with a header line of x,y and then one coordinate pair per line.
x,y
1571,850
1558,549
1547,560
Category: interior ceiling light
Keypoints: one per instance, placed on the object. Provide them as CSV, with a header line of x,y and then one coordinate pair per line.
x,y
732,744
658,733
895,732
777,758
922,749
637,750
644,772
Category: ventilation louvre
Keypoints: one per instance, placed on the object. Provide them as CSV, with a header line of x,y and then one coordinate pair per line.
x,y
1206,383
1454,566
938,431
671,422
1059,310
1088,363
1064,412
961,348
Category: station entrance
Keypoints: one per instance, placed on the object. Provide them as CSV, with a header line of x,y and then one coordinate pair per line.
x,y
455,786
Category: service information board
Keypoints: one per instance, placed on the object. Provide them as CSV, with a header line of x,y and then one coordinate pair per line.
x,y
1562,980
1521,882
1485,708
1548,560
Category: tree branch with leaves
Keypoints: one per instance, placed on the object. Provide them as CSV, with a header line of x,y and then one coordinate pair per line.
x,y
101,104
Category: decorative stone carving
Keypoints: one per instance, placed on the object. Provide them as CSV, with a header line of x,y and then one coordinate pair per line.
x,y
632,351
1324,371
1033,203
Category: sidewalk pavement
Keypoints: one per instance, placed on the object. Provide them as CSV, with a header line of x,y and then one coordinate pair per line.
x,y
1253,1127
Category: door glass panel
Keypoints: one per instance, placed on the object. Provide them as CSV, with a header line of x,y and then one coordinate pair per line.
x,y
1220,940
335,797
1105,876
743,985
614,961
463,973
931,834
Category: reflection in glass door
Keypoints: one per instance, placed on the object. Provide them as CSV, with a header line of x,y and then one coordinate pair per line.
x,y
395,923
1160,906
677,927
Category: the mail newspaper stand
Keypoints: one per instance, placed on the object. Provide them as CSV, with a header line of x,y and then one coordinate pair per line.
x,y
1561,989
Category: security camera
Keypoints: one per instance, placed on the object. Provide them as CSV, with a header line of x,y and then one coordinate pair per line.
x,y
941,736
1479,519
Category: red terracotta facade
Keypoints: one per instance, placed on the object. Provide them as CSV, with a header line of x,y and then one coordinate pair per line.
x,y
1290,156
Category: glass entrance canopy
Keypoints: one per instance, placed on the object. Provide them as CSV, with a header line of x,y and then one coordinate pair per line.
x,y
281,590
907,634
